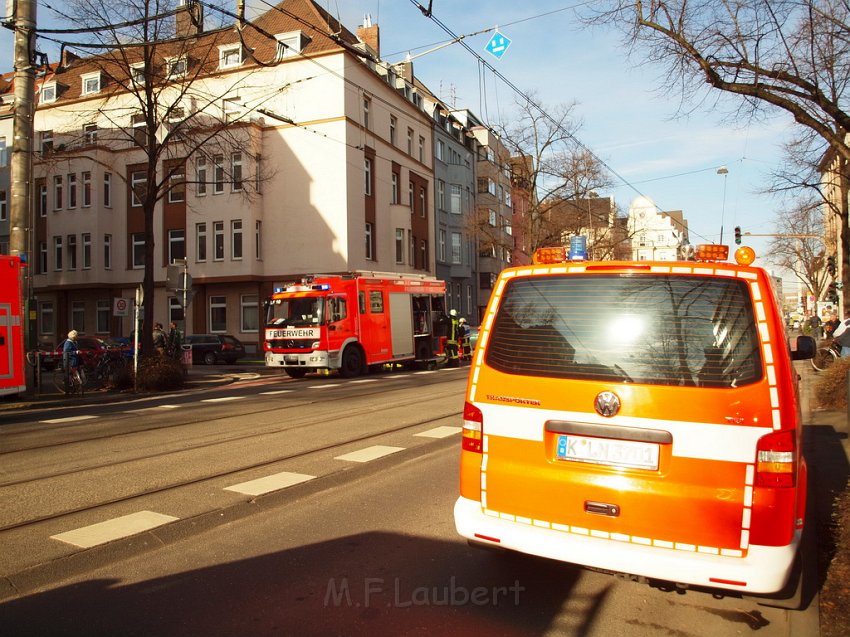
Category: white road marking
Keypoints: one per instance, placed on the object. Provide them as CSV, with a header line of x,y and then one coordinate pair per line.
x,y
323,386
426,371
222,399
440,432
54,421
365,380
397,376
270,483
369,453
103,532
277,391
155,408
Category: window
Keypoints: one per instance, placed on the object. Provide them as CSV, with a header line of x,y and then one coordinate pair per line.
x,y
137,74
72,191
103,312
42,199
48,93
86,179
57,253
218,174
140,132
376,302
218,241
45,318
367,169
441,194
218,314
367,104
200,242
4,211
177,187
441,149
410,195
4,153
231,109
236,239
42,257
107,190
57,192
399,245
176,245
423,249
175,310
421,149
250,312
176,67
491,218
86,240
258,245
369,240
138,180
441,246
91,83
393,128
236,172
90,134
411,244
137,250
394,194
457,251
107,251
46,141
290,44
201,176
410,142
72,252
422,202
229,56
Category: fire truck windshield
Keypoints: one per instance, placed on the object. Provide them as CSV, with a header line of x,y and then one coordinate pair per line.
x,y
299,312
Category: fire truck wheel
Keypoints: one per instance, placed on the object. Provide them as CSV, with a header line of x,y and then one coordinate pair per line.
x,y
295,372
352,362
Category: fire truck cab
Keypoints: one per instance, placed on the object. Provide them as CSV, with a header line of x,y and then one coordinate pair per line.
x,y
355,321
12,379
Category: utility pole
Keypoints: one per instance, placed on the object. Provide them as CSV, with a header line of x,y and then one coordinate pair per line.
x,y
20,208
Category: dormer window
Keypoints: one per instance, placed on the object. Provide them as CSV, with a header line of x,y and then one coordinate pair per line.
x,y
290,44
229,56
91,83
137,74
48,93
176,67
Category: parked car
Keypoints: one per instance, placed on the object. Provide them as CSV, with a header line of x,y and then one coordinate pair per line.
x,y
46,356
214,348
122,343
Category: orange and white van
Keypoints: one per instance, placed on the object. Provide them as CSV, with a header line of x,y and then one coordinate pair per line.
x,y
638,417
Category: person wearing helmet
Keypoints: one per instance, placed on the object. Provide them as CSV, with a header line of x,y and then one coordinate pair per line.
x,y
452,340
463,335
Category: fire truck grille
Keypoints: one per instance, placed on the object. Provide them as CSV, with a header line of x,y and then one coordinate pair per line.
x,y
289,343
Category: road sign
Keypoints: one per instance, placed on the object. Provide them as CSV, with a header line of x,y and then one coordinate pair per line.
x,y
497,45
120,307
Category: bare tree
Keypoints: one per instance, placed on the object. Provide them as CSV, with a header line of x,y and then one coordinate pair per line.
x,y
554,170
797,249
773,56
162,96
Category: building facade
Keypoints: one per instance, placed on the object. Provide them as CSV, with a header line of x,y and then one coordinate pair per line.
x,y
655,235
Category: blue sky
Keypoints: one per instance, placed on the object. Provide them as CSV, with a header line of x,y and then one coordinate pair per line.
x,y
628,119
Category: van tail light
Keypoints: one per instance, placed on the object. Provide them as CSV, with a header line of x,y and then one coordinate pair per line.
x,y
473,428
776,460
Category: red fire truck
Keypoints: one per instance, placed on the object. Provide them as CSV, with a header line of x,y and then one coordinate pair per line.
x,y
352,322
12,379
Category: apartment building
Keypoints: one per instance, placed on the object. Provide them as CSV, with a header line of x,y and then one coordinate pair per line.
x,y
655,235
282,156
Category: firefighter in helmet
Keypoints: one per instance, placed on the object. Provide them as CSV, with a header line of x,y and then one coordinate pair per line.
x,y
463,340
452,340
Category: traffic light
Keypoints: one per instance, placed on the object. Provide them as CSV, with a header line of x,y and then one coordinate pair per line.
x,y
831,294
830,265
738,235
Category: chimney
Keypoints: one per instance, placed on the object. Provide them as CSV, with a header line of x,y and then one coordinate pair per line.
x,y
68,58
190,18
370,35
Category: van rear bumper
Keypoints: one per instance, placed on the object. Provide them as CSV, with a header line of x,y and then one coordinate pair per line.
x,y
765,569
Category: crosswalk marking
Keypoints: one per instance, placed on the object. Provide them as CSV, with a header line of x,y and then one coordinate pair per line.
x,y
323,386
277,391
365,380
56,421
270,483
369,453
103,532
157,407
439,432
222,399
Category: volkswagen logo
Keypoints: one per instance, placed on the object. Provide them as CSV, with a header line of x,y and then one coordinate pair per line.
x,y
607,404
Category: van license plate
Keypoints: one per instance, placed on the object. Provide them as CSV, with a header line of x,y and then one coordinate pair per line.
x,y
617,453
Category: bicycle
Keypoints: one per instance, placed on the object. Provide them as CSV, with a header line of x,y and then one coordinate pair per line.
x,y
71,381
825,356
110,365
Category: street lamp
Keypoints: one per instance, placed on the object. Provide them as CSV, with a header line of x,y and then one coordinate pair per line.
x,y
723,171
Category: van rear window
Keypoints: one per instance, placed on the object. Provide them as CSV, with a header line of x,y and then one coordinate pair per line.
x,y
652,329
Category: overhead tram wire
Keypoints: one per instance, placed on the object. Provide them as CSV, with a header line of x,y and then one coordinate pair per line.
x,y
429,14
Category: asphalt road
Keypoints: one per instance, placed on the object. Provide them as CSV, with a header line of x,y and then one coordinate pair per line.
x,y
365,546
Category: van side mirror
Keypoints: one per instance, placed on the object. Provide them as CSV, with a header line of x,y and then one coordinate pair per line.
x,y
806,348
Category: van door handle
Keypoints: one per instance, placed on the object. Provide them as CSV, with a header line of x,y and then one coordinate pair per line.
x,y
602,508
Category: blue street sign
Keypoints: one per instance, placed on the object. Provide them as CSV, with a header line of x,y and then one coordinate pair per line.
x,y
497,45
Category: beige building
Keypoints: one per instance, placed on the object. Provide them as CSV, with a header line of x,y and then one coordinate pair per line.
x,y
655,235
290,152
